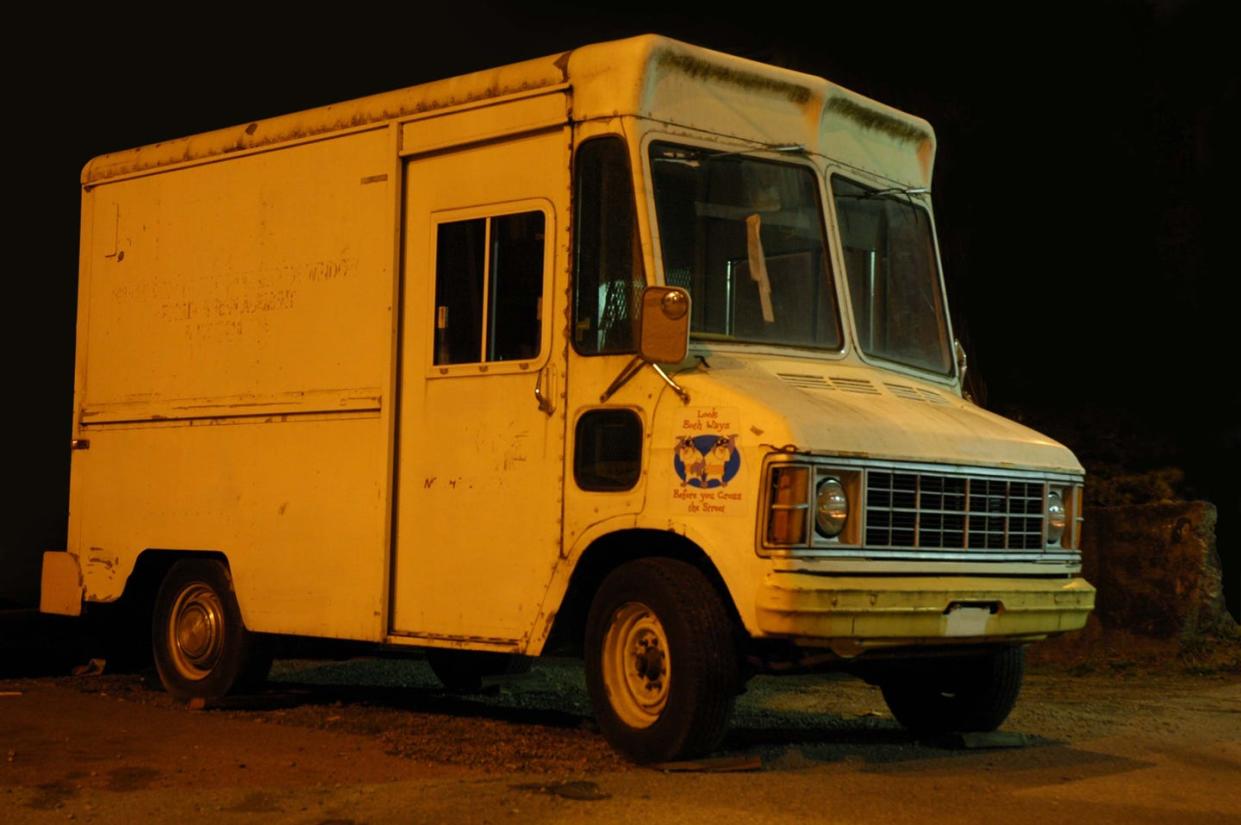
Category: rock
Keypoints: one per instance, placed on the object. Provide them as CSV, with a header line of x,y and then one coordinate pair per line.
x,y
1156,569
713,764
983,740
94,667
580,790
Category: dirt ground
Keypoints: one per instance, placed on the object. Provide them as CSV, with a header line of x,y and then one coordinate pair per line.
x,y
377,740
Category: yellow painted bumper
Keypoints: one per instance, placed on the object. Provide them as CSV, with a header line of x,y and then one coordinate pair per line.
x,y
61,586
874,611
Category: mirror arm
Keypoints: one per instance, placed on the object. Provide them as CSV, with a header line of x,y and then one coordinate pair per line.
x,y
677,388
631,369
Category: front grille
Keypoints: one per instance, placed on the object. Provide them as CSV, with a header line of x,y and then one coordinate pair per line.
x,y
934,511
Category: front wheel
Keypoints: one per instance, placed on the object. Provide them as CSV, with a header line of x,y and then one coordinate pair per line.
x,y
950,695
661,661
201,648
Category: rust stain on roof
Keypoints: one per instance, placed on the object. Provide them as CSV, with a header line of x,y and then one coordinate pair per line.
x,y
376,109
877,121
700,69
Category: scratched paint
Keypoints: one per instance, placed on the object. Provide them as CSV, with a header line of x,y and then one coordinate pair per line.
x,y
243,270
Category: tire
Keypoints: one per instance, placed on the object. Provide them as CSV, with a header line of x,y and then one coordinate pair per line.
x,y
201,648
956,695
464,670
661,661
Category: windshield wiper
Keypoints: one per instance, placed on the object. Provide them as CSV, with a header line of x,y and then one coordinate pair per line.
x,y
783,148
887,193
683,156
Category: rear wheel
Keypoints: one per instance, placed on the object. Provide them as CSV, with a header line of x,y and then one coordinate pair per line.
x,y
201,648
661,661
967,694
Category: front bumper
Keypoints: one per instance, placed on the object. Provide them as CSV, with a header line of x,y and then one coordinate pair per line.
x,y
851,614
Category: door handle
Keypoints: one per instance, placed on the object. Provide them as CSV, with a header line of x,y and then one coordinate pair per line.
x,y
544,396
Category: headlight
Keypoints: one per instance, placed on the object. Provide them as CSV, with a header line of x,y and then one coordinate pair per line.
x,y
808,508
831,508
1057,517
790,487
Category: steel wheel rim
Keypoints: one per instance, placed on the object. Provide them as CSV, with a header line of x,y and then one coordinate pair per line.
x,y
636,665
196,631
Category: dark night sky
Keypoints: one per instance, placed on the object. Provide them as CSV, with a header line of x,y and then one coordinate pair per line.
x,y
1078,189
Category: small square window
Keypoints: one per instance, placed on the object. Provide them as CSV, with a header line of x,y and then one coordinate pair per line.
x,y
607,452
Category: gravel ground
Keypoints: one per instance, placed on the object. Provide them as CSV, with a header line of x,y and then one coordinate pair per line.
x,y
378,740
540,722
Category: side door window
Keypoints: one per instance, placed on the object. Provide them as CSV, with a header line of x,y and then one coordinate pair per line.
x,y
489,288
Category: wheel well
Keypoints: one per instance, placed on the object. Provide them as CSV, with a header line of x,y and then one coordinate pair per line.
x,y
124,626
607,553
149,570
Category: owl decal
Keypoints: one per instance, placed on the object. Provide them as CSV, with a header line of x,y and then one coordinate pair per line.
x,y
706,461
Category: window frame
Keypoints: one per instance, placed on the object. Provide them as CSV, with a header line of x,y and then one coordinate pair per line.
x,y
583,415
827,216
488,212
860,178
575,230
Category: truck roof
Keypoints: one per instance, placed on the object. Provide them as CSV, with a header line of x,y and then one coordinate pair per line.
x,y
646,76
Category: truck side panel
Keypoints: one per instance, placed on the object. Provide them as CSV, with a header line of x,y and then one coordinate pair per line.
x,y
234,369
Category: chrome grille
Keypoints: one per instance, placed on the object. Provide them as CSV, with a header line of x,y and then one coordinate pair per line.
x,y
933,511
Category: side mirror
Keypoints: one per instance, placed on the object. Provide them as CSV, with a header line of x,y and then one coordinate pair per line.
x,y
962,367
663,337
664,325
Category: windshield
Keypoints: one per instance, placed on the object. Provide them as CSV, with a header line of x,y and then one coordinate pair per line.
x,y
745,237
893,277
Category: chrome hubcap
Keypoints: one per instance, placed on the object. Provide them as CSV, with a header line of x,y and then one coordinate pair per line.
x,y
196,630
636,665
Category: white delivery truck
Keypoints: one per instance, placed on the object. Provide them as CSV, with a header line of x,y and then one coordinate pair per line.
x,y
639,351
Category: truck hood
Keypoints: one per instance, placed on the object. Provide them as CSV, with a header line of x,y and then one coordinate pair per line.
x,y
847,409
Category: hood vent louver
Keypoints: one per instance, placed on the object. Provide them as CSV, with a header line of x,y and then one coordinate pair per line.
x,y
914,393
805,381
858,385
